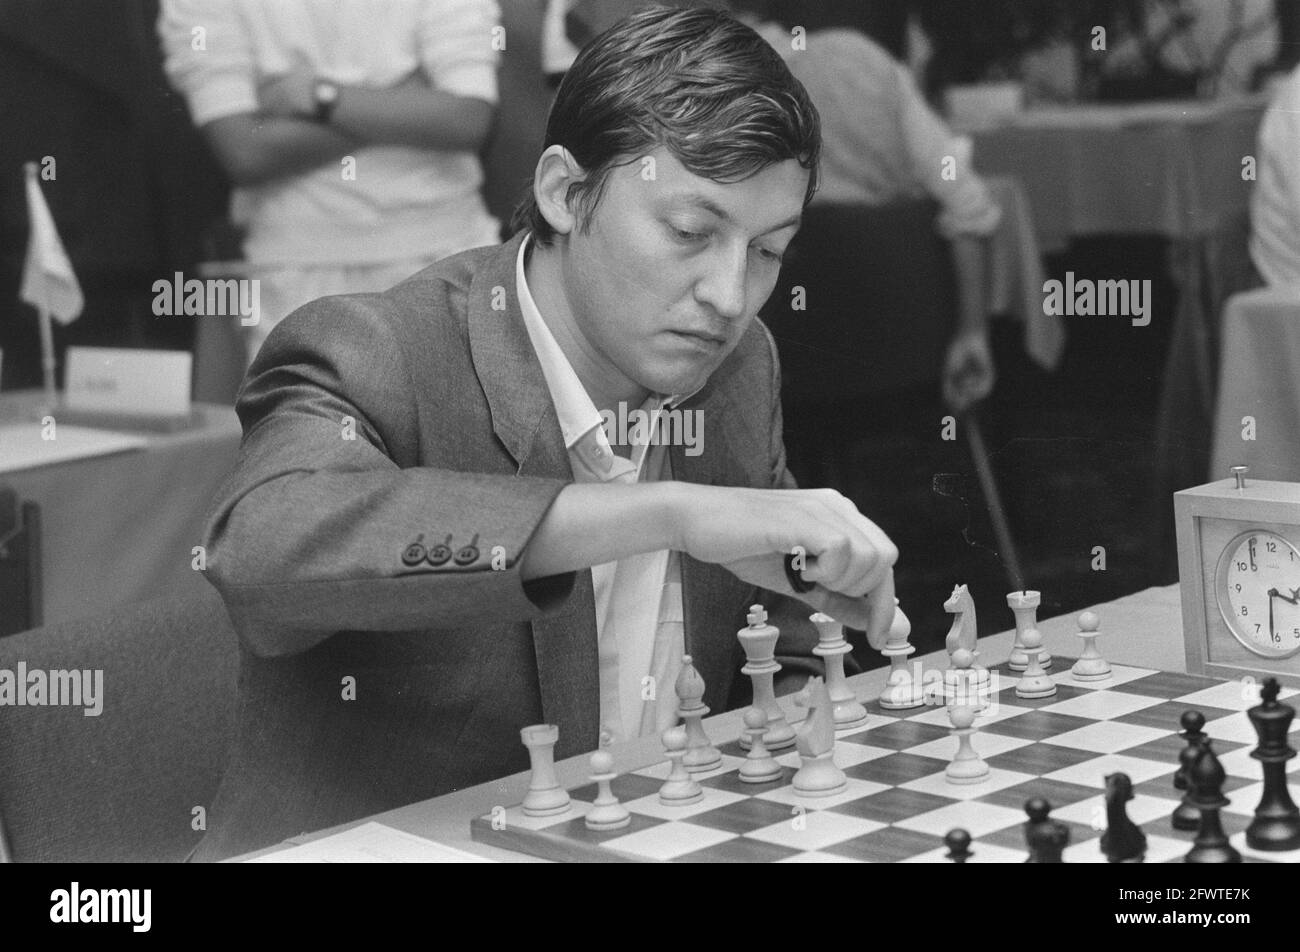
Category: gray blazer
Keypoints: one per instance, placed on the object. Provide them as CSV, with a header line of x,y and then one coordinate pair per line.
x,y
377,667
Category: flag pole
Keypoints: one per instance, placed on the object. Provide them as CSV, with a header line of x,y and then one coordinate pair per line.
x,y
47,358
47,330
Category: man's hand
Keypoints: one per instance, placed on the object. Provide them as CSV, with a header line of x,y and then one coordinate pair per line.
x,y
750,531
290,94
968,374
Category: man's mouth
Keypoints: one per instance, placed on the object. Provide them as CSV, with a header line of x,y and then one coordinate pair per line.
x,y
714,340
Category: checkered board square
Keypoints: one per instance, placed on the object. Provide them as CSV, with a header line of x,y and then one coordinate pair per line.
x,y
898,804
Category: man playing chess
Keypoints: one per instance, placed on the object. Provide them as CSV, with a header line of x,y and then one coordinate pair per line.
x,y
430,541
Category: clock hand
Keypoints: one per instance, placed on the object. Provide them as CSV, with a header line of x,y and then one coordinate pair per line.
x,y
1253,567
1271,593
1294,598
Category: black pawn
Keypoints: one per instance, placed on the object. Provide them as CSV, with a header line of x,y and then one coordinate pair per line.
x,y
1277,820
1206,778
1186,816
1046,838
958,843
1123,841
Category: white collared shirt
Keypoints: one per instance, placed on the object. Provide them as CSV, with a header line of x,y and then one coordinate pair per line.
x,y
639,598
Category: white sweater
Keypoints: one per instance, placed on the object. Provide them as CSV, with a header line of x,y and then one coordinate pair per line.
x,y
403,202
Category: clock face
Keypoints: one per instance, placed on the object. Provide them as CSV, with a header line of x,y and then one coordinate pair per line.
x,y
1259,592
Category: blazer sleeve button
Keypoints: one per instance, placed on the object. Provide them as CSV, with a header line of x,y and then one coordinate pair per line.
x,y
413,554
440,554
468,555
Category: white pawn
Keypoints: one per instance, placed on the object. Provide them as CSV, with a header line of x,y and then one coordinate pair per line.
x,y
759,765
606,812
1036,682
679,789
962,683
967,766
1091,666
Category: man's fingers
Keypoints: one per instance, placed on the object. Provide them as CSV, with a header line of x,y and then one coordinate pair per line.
x,y
855,555
872,613
881,612
842,565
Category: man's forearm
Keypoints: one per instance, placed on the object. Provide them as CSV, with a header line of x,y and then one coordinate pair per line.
x,y
971,262
254,149
594,523
413,115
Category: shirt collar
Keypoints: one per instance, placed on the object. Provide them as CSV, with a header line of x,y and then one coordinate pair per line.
x,y
573,405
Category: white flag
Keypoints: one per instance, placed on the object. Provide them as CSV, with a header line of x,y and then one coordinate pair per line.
x,y
48,281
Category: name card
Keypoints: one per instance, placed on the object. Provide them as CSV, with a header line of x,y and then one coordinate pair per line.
x,y
131,382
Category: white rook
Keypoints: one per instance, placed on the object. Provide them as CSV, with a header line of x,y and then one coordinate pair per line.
x,y
1025,607
545,796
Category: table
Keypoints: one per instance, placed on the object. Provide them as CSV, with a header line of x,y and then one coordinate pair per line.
x,y
1144,629
119,529
1164,168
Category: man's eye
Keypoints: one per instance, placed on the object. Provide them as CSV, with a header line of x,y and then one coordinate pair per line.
x,y
683,235
773,256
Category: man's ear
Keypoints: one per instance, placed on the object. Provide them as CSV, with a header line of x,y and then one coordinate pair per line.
x,y
556,171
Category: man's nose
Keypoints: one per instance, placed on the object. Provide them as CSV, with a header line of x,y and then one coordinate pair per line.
x,y
722,286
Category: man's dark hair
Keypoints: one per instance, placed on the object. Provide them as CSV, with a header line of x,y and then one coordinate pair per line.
x,y
697,82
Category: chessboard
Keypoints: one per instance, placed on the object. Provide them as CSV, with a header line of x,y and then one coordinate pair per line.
x,y
899,805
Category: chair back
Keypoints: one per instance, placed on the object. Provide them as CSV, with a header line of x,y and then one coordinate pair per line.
x,y
880,299
20,563
124,768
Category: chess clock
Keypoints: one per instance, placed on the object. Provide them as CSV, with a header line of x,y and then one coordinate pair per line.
x,y
1239,571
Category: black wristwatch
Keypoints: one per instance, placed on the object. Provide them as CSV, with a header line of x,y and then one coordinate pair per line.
x,y
326,96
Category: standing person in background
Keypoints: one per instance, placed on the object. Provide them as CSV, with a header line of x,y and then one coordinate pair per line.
x,y
1275,199
350,130
882,143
